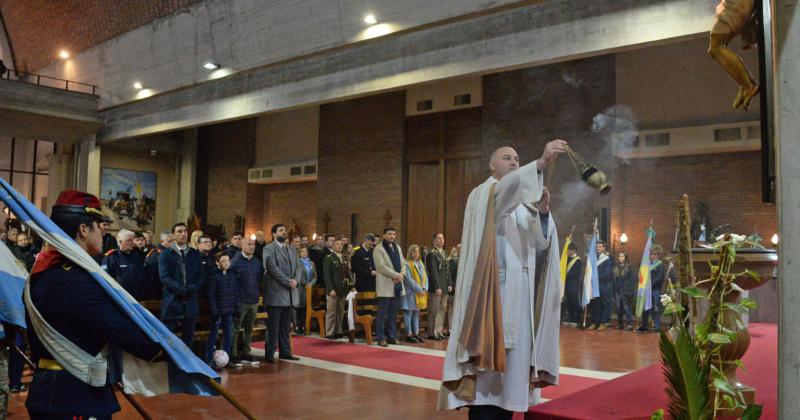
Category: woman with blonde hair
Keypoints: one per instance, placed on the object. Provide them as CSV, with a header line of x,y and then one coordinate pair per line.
x,y
416,280
194,238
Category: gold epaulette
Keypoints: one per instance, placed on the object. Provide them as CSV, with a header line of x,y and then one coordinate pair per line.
x,y
151,252
356,248
110,251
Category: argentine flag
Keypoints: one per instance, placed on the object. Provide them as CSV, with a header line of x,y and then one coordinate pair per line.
x,y
12,282
591,281
644,295
182,373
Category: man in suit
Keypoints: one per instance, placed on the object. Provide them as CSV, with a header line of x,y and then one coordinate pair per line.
x,y
389,286
282,267
181,271
337,271
439,285
73,303
573,285
318,256
364,265
126,265
154,288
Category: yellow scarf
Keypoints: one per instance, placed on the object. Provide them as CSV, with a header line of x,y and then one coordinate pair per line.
x,y
422,300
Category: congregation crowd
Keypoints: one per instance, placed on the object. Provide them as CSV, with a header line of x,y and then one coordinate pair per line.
x,y
192,276
226,280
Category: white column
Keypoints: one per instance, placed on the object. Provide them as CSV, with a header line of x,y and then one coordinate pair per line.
x,y
787,126
187,174
87,165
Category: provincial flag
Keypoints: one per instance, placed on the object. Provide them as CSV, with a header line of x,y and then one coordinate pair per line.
x,y
12,282
644,295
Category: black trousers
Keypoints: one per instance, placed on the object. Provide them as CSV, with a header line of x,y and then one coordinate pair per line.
x,y
186,328
489,412
279,319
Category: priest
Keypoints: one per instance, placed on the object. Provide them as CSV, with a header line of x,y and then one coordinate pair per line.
x,y
505,327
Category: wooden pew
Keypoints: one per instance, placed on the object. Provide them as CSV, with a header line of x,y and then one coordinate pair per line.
x,y
365,305
316,305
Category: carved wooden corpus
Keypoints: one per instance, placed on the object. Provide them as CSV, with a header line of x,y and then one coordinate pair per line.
x,y
387,218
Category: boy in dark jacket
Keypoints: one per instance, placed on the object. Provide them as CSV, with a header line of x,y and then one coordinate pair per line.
x,y
223,302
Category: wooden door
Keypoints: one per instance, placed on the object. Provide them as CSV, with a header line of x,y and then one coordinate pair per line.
x,y
423,193
461,176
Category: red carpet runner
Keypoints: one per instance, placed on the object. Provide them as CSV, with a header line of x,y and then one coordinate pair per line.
x,y
638,394
406,363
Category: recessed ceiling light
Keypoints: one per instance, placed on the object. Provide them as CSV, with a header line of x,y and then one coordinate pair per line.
x,y
211,66
137,86
64,54
370,19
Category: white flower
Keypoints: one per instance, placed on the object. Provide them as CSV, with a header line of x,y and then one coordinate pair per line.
x,y
735,238
665,300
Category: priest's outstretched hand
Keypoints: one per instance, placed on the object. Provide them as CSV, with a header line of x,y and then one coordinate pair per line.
x,y
551,150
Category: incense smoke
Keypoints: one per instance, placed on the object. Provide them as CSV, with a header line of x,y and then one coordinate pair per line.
x,y
617,127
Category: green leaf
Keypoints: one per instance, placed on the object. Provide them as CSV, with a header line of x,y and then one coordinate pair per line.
x,y
729,401
673,307
740,365
701,332
686,376
657,415
695,292
753,275
752,412
722,385
719,338
749,303
735,307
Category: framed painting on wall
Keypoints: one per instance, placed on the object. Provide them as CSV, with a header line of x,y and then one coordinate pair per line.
x,y
129,197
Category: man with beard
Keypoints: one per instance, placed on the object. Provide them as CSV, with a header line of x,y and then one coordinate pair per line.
x,y
283,270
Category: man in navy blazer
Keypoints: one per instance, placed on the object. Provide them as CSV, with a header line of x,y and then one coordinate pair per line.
x,y
182,275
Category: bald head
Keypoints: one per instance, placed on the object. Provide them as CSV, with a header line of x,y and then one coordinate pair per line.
x,y
503,161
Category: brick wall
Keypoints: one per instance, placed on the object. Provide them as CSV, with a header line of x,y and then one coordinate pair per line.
x,y
230,148
729,183
527,108
282,203
361,162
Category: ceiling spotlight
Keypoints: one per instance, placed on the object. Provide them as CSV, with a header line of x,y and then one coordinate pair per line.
x,y
211,66
370,19
138,86
64,54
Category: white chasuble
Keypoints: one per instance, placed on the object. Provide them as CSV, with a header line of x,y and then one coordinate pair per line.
x,y
530,306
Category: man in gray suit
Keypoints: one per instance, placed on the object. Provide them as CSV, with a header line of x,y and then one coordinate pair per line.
x,y
282,269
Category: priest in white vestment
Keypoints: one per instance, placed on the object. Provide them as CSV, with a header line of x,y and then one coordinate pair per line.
x,y
505,327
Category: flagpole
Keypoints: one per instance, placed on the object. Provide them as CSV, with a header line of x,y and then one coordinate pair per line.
x,y
217,387
133,402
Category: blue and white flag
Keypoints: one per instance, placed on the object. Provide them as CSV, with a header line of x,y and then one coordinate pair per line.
x,y
183,372
12,282
591,281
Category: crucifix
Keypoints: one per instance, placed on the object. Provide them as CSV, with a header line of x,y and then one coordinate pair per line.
x,y
387,218
326,220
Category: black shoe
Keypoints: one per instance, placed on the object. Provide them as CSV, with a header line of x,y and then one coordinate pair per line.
x,y
434,338
642,330
331,337
391,341
235,363
442,337
270,360
419,339
620,327
411,339
288,358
